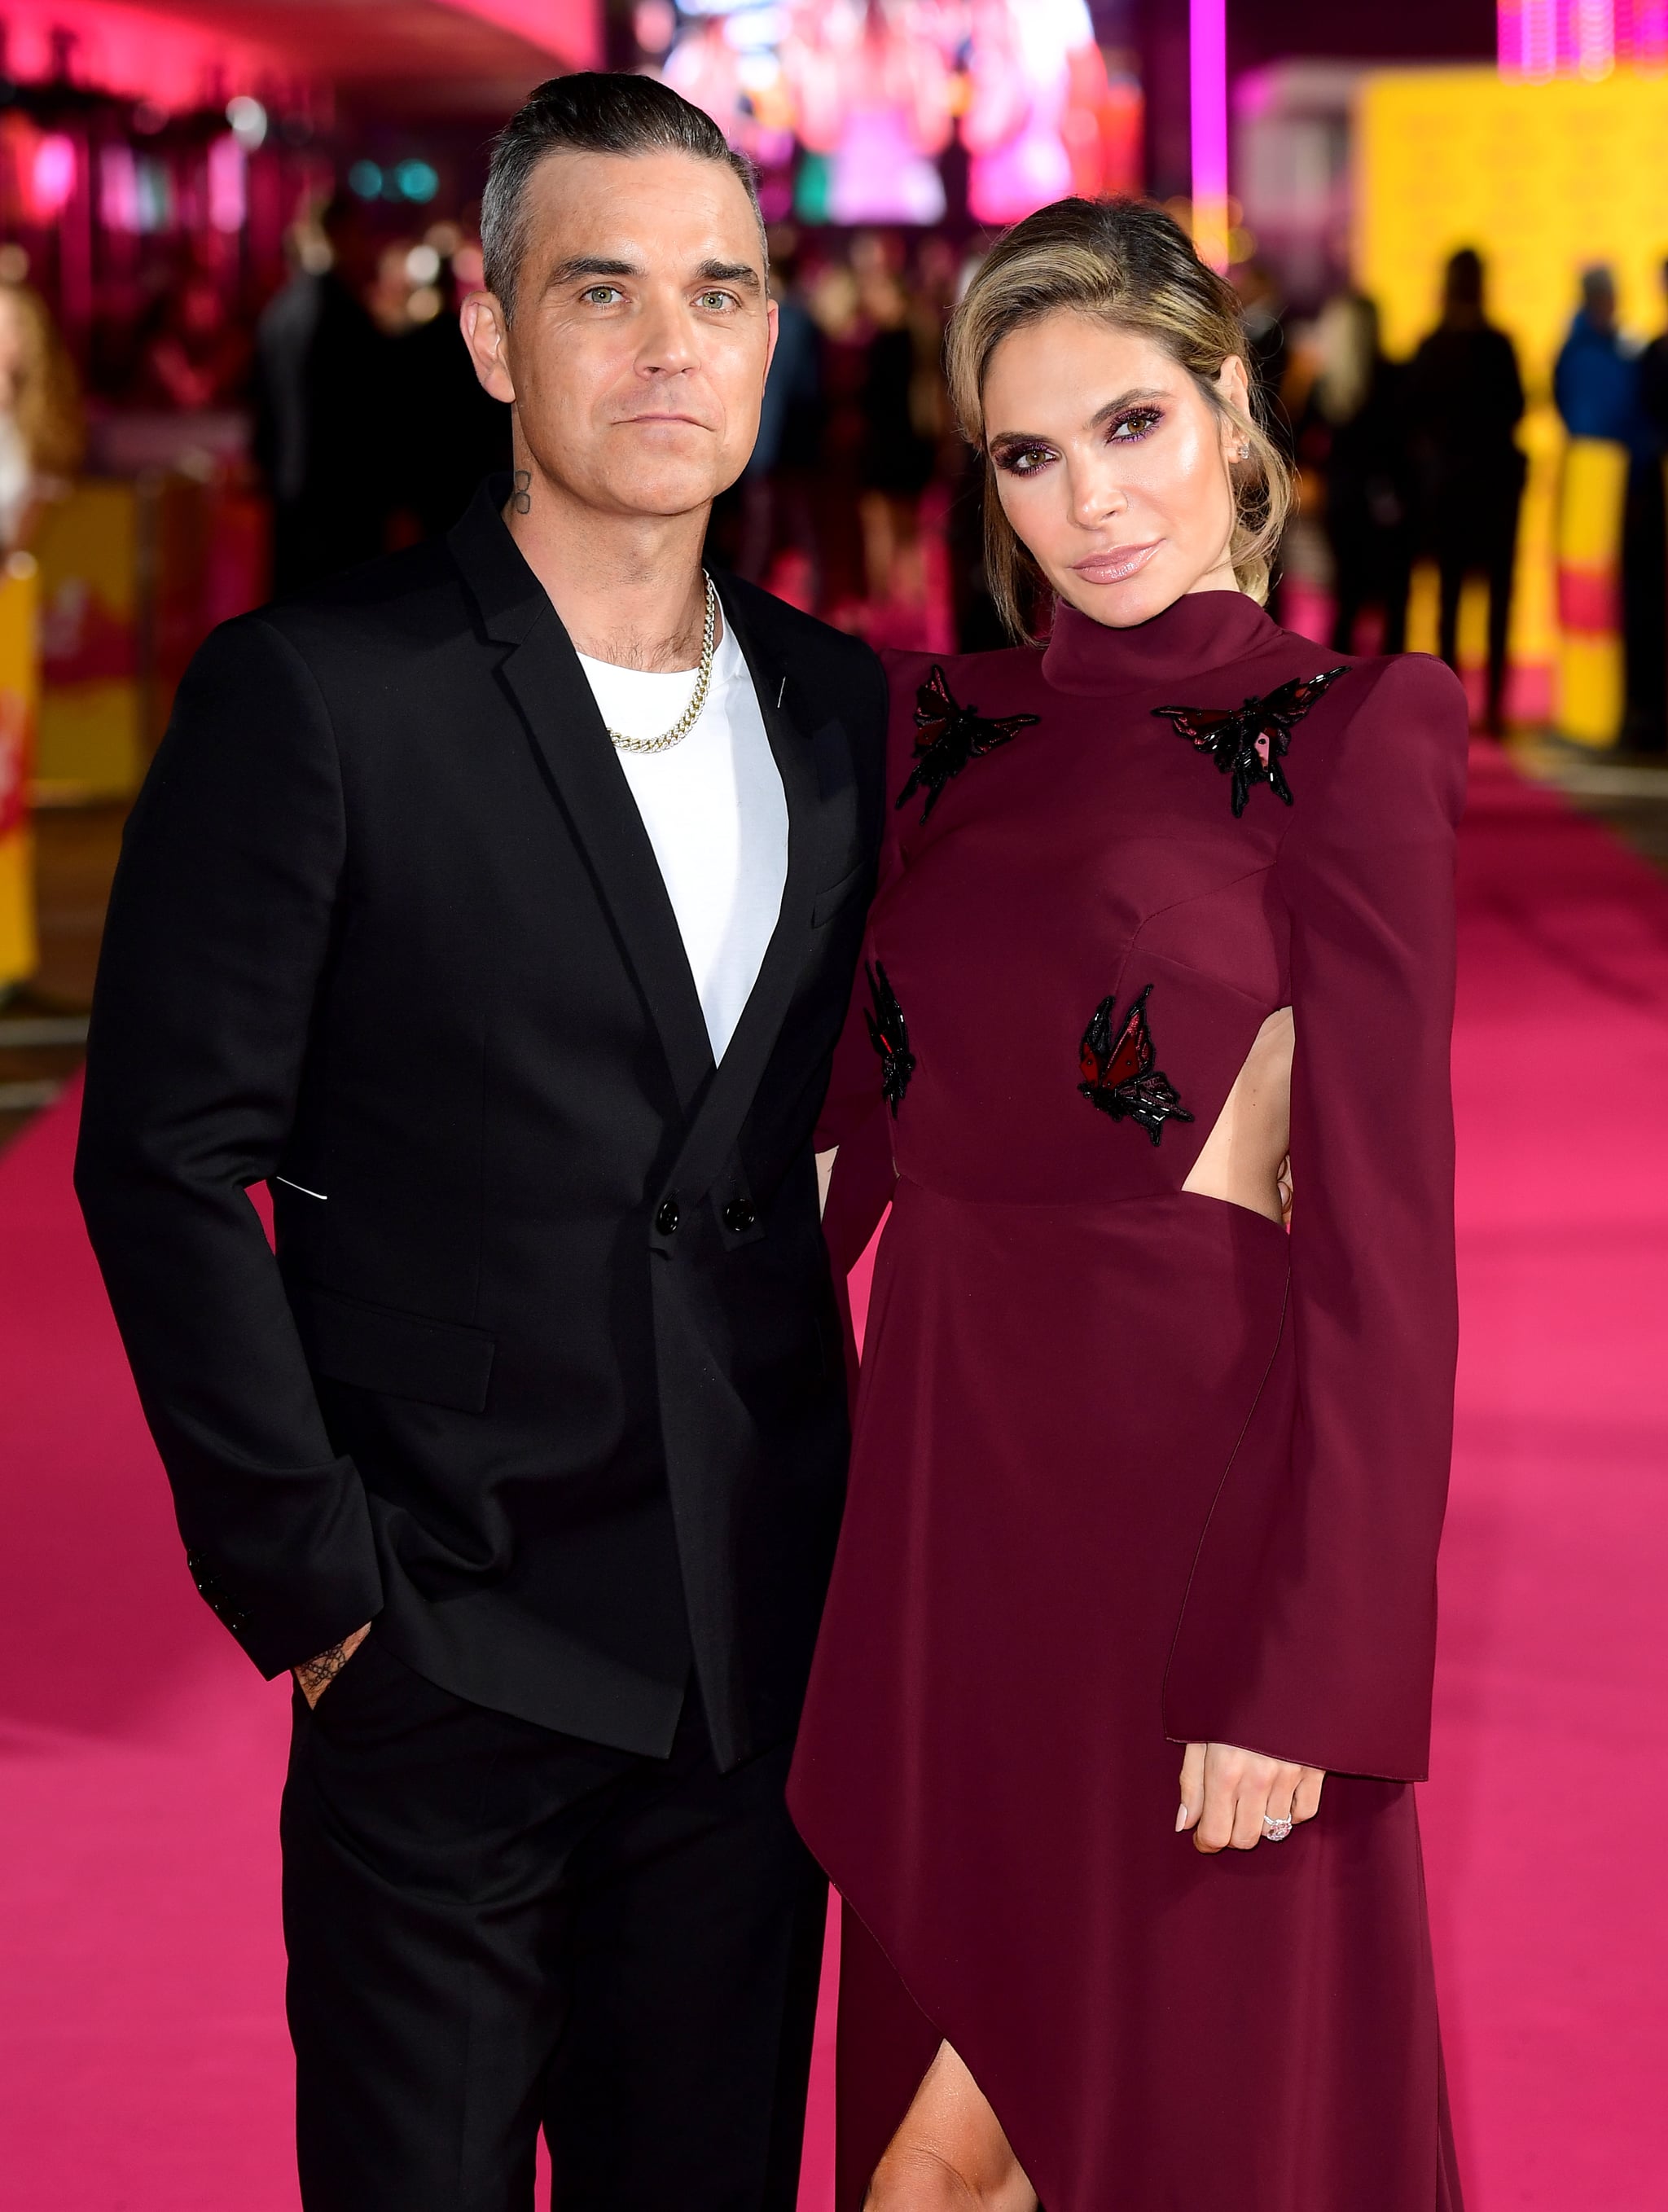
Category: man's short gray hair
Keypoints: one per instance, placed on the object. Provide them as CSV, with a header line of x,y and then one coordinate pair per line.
x,y
589,112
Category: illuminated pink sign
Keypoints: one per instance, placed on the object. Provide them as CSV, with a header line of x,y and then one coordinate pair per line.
x,y
1542,38
1208,79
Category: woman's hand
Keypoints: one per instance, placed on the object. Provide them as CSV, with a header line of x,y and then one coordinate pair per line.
x,y
1226,1794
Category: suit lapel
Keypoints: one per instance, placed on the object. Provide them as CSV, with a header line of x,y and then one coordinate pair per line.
x,y
726,1106
540,671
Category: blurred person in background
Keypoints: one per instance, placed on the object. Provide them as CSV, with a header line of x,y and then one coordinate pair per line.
x,y
1654,371
325,437
776,511
194,355
1264,312
1353,428
831,295
1465,402
451,433
1598,387
42,429
899,448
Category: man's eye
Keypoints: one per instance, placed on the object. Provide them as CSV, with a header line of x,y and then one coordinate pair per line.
x,y
716,301
602,295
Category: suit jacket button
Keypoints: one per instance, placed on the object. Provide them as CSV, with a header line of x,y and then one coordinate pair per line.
x,y
739,1217
667,1219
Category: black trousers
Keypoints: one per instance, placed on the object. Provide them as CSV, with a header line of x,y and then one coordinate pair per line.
x,y
493,1928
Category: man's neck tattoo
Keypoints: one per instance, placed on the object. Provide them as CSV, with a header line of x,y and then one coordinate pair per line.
x,y
521,498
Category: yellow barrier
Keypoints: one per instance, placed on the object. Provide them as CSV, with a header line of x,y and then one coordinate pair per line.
x,y
1592,675
18,693
92,709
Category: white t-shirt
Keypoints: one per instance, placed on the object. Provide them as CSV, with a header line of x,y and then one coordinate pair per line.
x,y
715,814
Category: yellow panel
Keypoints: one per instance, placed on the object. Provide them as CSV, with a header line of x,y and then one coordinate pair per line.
x,y
1589,702
1595,486
18,683
89,742
1424,609
1543,180
92,537
19,955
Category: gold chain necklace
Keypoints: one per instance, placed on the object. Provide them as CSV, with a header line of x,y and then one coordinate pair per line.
x,y
692,714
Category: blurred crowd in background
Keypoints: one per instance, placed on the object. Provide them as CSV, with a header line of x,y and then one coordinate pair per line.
x,y
366,430
230,362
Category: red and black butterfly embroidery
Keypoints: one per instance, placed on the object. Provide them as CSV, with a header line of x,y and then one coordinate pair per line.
x,y
949,735
1118,1074
1249,742
889,1034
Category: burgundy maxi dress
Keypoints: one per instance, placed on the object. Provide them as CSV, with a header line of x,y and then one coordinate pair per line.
x,y
1132,1467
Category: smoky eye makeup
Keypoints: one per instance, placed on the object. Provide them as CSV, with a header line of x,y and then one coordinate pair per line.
x,y
1126,426
1020,457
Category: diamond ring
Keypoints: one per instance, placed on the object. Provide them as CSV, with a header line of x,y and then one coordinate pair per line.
x,y
1276,1830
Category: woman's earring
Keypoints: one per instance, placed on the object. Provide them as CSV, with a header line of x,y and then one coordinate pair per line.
x,y
1242,451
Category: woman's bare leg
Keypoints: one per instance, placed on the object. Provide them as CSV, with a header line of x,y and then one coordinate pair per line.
x,y
950,2154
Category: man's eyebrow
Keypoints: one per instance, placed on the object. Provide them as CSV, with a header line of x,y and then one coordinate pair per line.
x,y
592,264
728,272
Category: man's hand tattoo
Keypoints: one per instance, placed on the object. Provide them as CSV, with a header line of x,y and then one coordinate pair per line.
x,y
316,1676
521,497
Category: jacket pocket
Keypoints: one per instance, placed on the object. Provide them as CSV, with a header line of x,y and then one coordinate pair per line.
x,y
400,1355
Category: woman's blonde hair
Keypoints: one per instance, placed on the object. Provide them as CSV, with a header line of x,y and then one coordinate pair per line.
x,y
1133,266
46,404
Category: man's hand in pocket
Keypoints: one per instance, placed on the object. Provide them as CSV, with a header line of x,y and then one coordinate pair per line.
x,y
316,1676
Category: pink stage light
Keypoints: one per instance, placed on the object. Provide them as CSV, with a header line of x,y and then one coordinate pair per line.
x,y
227,188
52,175
1208,83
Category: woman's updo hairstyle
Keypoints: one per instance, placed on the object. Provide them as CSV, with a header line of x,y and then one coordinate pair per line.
x,y
1135,267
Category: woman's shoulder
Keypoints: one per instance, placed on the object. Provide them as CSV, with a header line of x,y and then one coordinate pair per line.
x,y
965,674
1397,738
924,686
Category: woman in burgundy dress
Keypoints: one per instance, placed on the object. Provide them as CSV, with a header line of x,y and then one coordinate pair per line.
x,y
1140,1479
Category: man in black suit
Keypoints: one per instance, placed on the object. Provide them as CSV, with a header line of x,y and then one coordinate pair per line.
x,y
526,1449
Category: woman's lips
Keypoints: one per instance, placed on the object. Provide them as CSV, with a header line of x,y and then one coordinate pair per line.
x,y
1113,568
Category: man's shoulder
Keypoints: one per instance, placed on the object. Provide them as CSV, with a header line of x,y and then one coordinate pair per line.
x,y
806,643
414,596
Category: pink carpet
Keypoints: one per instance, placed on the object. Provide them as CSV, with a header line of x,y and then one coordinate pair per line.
x,y
143,2060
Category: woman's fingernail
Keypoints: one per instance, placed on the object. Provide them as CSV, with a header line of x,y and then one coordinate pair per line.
x,y
1181,1820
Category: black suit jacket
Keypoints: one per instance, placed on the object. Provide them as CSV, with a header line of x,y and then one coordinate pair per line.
x,y
545,1377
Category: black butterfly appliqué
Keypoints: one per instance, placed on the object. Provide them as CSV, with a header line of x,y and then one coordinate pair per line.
x,y
1118,1074
1249,742
949,735
889,1034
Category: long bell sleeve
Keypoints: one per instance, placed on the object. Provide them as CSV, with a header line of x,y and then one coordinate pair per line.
x,y
1308,1631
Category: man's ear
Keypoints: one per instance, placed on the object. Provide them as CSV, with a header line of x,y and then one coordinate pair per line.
x,y
485,329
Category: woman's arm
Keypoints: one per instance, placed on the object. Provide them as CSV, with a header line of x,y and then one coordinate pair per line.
x,y
1308,1631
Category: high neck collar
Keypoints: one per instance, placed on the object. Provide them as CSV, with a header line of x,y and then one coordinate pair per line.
x,y
1201,631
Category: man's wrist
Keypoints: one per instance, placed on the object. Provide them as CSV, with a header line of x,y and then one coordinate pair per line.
x,y
316,1675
